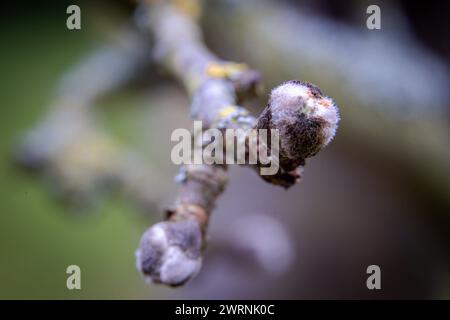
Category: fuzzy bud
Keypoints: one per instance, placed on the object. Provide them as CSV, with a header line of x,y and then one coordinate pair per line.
x,y
170,252
306,119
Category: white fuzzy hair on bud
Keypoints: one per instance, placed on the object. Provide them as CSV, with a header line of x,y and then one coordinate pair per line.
x,y
312,102
165,258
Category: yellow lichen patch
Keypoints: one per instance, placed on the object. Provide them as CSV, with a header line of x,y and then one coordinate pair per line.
x,y
90,157
189,7
225,70
90,151
226,111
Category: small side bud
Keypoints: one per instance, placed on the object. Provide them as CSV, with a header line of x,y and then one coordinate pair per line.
x,y
306,119
170,252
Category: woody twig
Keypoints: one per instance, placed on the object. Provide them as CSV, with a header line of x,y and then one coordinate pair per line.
x,y
171,251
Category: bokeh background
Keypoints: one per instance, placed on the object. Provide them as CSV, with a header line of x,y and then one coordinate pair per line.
x,y
379,194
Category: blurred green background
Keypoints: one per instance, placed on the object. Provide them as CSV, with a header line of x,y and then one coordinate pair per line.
x,y
38,238
371,197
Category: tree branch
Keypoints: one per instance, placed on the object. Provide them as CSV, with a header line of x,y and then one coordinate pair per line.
x,y
68,146
171,251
